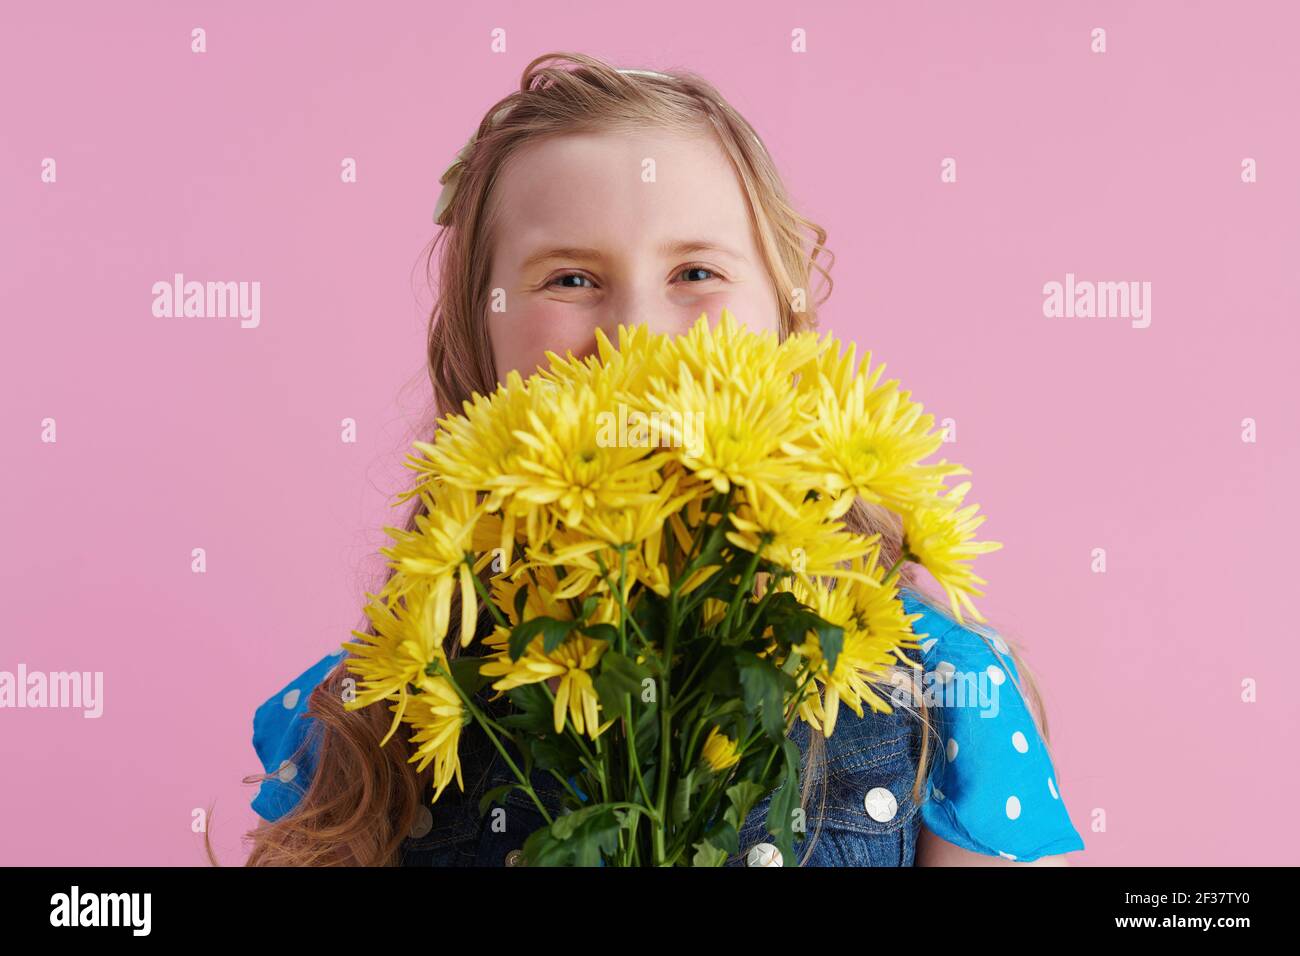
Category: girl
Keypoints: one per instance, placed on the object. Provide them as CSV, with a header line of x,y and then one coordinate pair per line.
x,y
590,197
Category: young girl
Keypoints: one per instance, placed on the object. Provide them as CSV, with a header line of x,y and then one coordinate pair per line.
x,y
593,197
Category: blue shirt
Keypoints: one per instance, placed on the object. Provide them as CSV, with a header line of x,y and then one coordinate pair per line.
x,y
991,788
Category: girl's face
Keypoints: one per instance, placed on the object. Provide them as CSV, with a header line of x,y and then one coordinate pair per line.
x,y
584,242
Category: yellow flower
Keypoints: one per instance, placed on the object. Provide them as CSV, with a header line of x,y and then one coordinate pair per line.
x,y
806,542
868,442
572,662
719,751
642,517
938,532
479,450
437,714
404,643
435,556
730,349
569,466
627,366
875,630
739,430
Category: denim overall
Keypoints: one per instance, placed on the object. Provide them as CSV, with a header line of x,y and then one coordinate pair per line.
x,y
869,819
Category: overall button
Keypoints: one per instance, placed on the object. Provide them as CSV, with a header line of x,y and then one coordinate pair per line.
x,y
765,854
515,858
423,823
881,804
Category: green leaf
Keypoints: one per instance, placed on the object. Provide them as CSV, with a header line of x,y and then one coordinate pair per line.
x,y
619,675
554,631
680,811
792,622
724,837
723,677
651,615
831,638
706,854
465,672
553,752
533,712
742,794
780,812
495,795
601,632
765,688
579,838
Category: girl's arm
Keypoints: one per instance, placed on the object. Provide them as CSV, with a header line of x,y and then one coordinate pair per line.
x,y
936,851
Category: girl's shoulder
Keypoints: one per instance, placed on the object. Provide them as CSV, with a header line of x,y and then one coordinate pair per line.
x,y
992,788
285,742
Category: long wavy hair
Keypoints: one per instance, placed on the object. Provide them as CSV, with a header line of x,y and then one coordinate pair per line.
x,y
363,799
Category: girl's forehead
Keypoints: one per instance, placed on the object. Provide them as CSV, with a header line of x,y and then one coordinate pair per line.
x,y
646,188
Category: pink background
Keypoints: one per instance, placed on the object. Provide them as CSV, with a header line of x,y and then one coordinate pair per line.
x,y
1081,433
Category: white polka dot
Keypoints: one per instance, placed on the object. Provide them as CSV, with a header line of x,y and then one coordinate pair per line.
x,y
995,674
1019,742
952,750
1052,787
290,699
287,771
938,794
1013,808
943,672
423,822
1001,645
927,646
1007,856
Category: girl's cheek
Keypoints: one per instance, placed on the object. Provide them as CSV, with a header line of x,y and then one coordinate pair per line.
x,y
522,337
752,306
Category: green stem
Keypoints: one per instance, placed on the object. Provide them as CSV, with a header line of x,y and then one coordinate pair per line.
x,y
483,593
484,723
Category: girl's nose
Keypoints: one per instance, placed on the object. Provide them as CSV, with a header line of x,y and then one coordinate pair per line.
x,y
656,314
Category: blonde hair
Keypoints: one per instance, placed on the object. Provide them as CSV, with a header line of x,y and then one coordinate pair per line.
x,y
363,799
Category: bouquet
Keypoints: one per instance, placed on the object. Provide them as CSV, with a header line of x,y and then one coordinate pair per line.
x,y
657,533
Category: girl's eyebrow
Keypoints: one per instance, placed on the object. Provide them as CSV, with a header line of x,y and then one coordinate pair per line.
x,y
679,247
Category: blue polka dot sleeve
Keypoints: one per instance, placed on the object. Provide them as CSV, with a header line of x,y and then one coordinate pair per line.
x,y
285,743
992,788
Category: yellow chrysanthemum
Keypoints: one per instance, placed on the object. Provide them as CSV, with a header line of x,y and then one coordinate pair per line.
x,y
626,366
543,597
572,662
868,441
435,557
807,542
730,349
719,751
938,532
569,466
876,628
479,450
404,643
743,429
437,715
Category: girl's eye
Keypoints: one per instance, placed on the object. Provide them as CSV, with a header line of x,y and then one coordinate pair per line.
x,y
708,273
575,280
570,275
